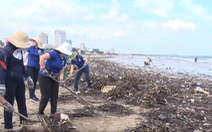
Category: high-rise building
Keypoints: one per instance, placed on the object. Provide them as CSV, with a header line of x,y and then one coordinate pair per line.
x,y
44,38
112,51
69,41
59,37
82,46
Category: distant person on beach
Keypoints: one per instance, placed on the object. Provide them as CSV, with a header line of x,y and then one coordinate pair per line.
x,y
80,62
52,66
196,59
33,54
150,60
146,63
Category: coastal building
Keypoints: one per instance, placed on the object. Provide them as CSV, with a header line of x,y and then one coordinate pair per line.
x,y
106,51
48,46
69,41
112,51
82,46
43,37
59,37
87,49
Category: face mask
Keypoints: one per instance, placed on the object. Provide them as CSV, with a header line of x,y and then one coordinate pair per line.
x,y
18,54
33,43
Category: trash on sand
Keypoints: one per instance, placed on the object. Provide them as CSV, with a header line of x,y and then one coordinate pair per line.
x,y
108,88
162,117
201,91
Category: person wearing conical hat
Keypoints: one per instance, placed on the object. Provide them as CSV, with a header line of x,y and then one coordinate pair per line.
x,y
12,76
80,62
33,54
52,66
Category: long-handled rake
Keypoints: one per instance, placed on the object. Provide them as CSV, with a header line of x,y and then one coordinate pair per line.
x,y
30,121
75,95
27,119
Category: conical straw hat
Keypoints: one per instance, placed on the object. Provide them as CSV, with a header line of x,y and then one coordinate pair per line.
x,y
19,39
38,41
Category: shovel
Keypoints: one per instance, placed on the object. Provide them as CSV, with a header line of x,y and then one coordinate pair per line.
x,y
27,119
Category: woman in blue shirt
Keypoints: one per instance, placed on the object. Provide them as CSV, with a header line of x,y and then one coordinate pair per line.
x,y
33,53
80,62
52,64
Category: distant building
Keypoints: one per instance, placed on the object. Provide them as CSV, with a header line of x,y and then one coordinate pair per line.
x,y
59,37
82,46
87,49
48,46
44,38
106,51
69,41
112,51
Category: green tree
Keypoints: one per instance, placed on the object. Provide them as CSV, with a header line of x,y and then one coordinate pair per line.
x,y
74,49
1,43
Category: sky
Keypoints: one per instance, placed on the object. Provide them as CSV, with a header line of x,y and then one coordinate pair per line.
x,y
181,27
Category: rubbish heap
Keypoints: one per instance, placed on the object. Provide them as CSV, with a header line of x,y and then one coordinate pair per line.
x,y
58,123
176,101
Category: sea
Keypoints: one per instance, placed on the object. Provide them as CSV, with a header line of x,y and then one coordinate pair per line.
x,y
170,63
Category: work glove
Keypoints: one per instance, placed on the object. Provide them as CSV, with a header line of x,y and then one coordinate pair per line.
x,y
45,71
62,83
2,89
9,107
30,82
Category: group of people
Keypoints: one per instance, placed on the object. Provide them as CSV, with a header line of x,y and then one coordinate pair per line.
x,y
42,67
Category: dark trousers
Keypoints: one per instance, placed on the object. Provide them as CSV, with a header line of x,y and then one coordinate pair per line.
x,y
15,90
77,78
33,72
49,90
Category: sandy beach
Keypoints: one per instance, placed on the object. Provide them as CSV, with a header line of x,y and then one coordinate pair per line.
x,y
137,103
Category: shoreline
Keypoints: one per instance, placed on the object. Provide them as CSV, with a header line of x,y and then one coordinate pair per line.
x,y
154,68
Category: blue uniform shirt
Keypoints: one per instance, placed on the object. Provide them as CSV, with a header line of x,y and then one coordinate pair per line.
x,y
55,64
79,62
34,57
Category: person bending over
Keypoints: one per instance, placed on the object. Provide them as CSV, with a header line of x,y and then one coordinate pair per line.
x,y
52,66
80,62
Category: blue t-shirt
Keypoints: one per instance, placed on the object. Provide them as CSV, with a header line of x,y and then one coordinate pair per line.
x,y
79,62
34,57
55,64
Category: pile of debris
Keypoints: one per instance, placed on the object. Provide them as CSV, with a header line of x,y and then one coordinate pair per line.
x,y
58,123
115,109
179,102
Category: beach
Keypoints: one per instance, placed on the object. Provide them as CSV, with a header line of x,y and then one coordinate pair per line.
x,y
143,99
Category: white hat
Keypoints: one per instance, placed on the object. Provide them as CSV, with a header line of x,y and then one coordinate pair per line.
x,y
20,39
65,48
